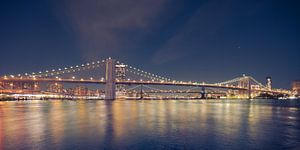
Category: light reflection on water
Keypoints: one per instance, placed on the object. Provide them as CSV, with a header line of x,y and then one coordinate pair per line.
x,y
150,124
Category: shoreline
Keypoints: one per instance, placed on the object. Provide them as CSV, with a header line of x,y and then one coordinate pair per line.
x,y
75,99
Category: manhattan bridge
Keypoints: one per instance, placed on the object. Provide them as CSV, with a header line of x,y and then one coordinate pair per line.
x,y
119,78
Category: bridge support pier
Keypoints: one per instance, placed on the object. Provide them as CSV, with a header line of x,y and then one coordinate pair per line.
x,y
110,84
141,92
249,88
202,93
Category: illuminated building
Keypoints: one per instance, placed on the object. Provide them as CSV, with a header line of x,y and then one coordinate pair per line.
x,y
91,92
80,91
36,86
120,75
296,86
1,85
20,85
97,92
269,83
69,91
55,88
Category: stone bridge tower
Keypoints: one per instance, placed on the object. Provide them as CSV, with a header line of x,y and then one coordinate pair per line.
x,y
110,79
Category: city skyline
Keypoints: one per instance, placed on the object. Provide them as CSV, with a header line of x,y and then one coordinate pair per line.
x,y
195,40
149,74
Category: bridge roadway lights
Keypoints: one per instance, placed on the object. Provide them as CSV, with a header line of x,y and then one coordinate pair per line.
x,y
110,85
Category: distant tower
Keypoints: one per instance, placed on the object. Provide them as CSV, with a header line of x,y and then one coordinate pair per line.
x,y
120,75
269,83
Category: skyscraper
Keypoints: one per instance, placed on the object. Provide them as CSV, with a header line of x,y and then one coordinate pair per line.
x,y
120,75
269,83
296,86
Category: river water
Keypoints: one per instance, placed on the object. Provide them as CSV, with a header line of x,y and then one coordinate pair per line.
x,y
150,124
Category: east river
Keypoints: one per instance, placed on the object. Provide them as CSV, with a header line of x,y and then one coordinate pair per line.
x,y
150,124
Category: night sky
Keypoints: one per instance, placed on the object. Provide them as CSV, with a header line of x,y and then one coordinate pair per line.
x,y
196,40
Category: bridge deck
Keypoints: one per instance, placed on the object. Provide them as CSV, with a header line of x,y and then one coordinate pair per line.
x,y
133,82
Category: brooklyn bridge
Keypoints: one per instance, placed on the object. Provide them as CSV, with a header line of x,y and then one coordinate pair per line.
x,y
119,77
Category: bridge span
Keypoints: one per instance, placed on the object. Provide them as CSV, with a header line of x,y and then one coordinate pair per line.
x,y
244,83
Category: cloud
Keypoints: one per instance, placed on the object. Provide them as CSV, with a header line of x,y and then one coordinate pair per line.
x,y
205,23
108,27
203,28
167,55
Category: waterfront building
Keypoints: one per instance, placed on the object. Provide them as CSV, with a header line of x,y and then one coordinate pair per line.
x,y
8,85
80,91
269,83
91,92
1,85
55,88
98,92
69,91
296,86
121,75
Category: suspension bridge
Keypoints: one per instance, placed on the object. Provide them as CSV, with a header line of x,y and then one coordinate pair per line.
x,y
116,75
